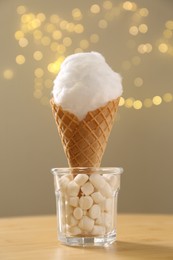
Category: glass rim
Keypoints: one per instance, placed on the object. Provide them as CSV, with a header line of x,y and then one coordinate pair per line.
x,y
103,170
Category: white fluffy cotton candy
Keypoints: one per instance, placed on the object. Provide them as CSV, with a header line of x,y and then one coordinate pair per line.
x,y
85,82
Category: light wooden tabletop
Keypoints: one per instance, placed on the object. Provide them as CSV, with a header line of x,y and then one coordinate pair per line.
x,y
139,237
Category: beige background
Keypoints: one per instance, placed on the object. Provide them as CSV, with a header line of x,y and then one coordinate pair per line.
x,y
141,141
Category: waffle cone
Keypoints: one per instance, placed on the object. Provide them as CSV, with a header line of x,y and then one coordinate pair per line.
x,y
84,141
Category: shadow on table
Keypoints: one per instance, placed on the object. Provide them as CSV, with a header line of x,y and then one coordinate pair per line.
x,y
121,250
141,251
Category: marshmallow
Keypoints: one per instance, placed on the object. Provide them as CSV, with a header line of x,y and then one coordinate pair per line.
x,y
100,220
86,223
80,179
84,212
106,190
78,213
72,221
113,180
75,231
107,205
73,188
97,197
98,230
69,176
107,220
73,201
85,202
94,211
63,182
87,188
104,219
97,180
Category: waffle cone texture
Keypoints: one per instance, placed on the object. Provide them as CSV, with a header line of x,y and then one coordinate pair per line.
x,y
84,141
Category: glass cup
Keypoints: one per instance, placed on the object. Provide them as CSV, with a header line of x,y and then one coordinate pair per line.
x,y
86,203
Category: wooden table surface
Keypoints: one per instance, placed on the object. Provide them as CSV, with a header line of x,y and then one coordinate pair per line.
x,y
139,237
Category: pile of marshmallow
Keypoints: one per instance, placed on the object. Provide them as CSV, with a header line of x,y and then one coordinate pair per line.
x,y
88,203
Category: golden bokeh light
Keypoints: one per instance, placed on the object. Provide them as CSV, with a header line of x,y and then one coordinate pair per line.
x,y
61,49
26,18
143,28
84,44
145,48
54,18
18,35
148,103
54,46
48,83
63,24
144,12
76,13
60,59
157,100
148,47
169,24
21,9
142,48
70,27
38,82
168,34
8,74
55,66
121,102
30,22
79,28
23,42
38,72
20,59
37,34
57,35
103,24
94,38
39,85
49,27
129,6
133,30
129,102
34,24
138,82
41,17
37,55
163,47
137,104
107,5
95,9
168,97
67,41
24,28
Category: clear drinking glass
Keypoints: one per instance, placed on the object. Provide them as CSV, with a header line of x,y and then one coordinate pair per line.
x,y
86,203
